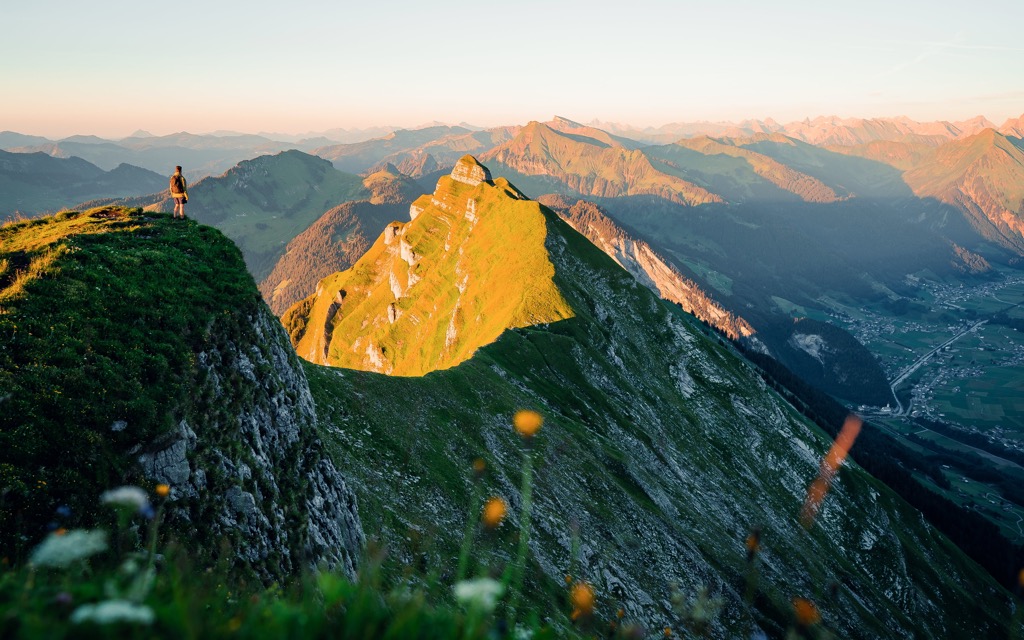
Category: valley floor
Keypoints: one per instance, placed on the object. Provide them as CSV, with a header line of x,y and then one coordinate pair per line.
x,y
955,360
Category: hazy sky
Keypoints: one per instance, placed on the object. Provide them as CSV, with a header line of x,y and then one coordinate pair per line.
x,y
111,67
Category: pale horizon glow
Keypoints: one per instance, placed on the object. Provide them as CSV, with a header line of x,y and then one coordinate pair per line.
x,y
112,68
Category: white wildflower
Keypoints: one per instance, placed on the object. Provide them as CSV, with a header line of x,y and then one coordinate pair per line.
x,y
482,593
522,633
62,550
133,497
111,611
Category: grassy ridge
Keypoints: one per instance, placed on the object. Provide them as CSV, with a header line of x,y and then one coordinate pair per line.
x,y
100,313
262,203
472,276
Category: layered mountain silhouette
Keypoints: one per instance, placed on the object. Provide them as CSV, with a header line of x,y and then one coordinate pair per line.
x,y
661,449
591,166
822,130
200,155
416,153
33,183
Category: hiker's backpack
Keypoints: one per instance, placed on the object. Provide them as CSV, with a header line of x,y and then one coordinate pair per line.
x,y
177,184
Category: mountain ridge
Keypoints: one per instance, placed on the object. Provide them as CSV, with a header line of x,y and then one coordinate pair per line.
x,y
683,443
425,311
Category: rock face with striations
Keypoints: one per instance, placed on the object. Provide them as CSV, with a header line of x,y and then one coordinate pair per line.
x,y
431,291
469,171
260,470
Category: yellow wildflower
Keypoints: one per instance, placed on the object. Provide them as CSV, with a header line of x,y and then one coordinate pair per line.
x,y
494,512
527,422
582,598
806,612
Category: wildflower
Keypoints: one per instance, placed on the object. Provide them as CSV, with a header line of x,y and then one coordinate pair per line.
x,y
621,613
62,550
753,543
582,598
568,579
482,593
828,469
163,490
132,497
806,612
112,611
522,633
494,512
668,632
704,610
479,466
527,423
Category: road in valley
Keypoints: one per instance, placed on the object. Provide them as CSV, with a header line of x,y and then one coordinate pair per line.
x,y
906,373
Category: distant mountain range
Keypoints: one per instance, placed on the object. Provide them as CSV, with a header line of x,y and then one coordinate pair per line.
x,y
199,155
823,130
764,219
33,183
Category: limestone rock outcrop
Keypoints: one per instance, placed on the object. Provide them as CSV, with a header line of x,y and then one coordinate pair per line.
x,y
247,463
468,170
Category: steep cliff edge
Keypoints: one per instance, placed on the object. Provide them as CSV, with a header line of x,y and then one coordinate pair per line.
x,y
136,349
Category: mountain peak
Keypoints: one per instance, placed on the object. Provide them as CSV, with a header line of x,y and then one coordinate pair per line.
x,y
468,170
1013,127
561,120
471,262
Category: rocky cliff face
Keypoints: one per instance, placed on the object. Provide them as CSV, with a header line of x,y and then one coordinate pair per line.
x,y
650,269
247,464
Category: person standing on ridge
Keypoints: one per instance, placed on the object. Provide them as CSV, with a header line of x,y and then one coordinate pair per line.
x,y
179,191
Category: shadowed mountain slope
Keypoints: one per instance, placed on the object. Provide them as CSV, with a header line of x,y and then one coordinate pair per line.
x,y
739,174
646,265
661,451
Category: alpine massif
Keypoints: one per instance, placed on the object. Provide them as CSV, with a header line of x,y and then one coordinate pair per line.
x,y
662,449
134,350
